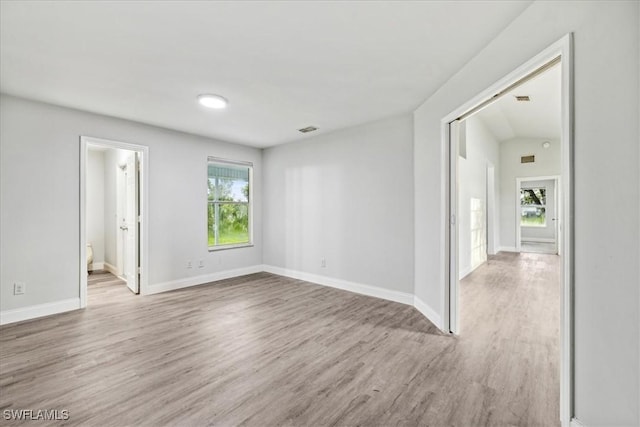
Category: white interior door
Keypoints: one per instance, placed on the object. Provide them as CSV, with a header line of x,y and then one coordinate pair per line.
x,y
492,245
130,224
454,149
121,220
556,215
559,216
478,233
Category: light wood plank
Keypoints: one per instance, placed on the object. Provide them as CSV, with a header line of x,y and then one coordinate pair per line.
x,y
268,350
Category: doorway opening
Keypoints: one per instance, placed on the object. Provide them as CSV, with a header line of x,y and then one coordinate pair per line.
x,y
113,225
537,214
485,216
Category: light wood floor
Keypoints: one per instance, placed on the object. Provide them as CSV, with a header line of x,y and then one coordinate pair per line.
x,y
266,350
538,247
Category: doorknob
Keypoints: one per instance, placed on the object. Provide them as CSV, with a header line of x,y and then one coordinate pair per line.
x,y
124,227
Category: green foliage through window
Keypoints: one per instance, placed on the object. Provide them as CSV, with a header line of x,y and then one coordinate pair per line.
x,y
533,207
228,199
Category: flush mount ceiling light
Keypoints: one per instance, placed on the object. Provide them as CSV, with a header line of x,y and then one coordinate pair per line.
x,y
546,144
212,101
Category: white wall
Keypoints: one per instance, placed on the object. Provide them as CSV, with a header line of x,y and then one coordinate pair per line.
x,y
95,206
547,163
43,249
606,174
346,197
110,206
546,231
482,150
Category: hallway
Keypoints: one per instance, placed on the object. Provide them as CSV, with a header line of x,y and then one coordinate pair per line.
x,y
510,309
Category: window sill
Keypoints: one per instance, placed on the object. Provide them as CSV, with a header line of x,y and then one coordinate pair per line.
x,y
225,247
533,226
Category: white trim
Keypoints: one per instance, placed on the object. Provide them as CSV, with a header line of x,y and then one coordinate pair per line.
x,y
445,233
248,165
538,178
508,249
467,271
537,240
428,312
111,269
362,289
232,246
39,310
576,423
454,227
96,266
200,280
85,142
47,309
359,288
563,48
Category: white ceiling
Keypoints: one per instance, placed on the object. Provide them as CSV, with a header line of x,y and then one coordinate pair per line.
x,y
282,65
508,118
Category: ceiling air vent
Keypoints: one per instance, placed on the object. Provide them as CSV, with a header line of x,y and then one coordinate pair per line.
x,y
308,129
528,159
523,98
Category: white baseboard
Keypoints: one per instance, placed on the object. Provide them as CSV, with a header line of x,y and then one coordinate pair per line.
x,y
96,266
576,423
359,288
508,249
200,280
467,271
537,240
39,310
111,269
464,273
427,312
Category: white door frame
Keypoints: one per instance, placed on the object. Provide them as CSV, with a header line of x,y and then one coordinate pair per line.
x,y
562,49
558,220
85,143
492,246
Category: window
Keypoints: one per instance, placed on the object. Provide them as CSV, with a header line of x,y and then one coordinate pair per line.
x,y
229,203
533,203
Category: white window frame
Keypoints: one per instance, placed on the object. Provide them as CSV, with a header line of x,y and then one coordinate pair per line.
x,y
539,187
249,203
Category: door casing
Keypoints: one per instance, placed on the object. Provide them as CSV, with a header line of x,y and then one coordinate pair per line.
x,y
562,49
143,151
131,224
558,182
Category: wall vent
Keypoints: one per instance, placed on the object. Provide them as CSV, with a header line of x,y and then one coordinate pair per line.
x,y
528,159
523,98
308,129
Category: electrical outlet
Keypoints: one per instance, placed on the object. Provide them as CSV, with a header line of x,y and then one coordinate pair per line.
x,y
201,263
323,263
19,288
189,264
